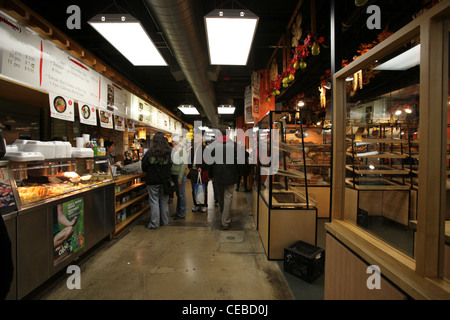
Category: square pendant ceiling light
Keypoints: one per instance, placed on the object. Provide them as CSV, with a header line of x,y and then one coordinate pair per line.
x,y
226,109
230,35
402,62
189,110
128,36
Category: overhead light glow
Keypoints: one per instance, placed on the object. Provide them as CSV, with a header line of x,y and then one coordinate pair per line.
x,y
128,36
188,110
226,109
402,62
301,104
230,35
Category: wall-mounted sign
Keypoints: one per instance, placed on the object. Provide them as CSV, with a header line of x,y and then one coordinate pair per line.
x,y
61,107
87,114
119,123
106,119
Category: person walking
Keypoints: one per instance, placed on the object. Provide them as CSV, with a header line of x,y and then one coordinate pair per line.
x,y
157,165
179,166
225,174
198,166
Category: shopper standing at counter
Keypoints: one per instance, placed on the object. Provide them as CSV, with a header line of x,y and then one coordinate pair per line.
x,y
179,166
6,262
157,165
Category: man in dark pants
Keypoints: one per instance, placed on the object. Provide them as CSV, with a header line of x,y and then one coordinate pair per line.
x,y
6,262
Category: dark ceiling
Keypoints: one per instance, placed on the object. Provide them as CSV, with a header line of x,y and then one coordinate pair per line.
x,y
169,87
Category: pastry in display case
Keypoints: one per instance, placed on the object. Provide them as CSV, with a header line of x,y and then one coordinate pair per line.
x,y
287,184
40,181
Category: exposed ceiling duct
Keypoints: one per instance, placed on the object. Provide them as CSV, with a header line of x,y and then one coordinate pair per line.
x,y
179,22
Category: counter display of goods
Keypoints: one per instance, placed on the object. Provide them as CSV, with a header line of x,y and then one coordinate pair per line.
x,y
38,181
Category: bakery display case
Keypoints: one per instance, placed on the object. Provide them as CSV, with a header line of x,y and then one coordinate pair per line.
x,y
38,182
286,212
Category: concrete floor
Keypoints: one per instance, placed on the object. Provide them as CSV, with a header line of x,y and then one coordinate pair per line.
x,y
192,259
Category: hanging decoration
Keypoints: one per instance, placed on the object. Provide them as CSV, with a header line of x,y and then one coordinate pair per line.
x,y
311,45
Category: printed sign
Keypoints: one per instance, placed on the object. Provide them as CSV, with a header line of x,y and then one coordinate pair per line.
x,y
131,126
61,107
119,123
68,229
87,113
106,119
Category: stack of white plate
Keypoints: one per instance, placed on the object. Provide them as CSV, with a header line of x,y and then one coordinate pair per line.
x,y
46,148
24,156
82,152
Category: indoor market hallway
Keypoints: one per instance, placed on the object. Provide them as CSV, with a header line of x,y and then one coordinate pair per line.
x,y
191,259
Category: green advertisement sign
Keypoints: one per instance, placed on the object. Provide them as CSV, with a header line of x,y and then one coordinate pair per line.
x,y
68,229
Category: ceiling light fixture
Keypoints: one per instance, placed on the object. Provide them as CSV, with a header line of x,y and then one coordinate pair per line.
x,y
230,35
128,36
402,62
189,110
226,109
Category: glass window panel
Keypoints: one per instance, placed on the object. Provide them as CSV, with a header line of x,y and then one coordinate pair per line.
x,y
382,140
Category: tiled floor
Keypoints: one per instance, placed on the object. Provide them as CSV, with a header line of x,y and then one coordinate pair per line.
x,y
192,259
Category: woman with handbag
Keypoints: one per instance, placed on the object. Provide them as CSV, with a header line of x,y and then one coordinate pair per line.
x,y
157,164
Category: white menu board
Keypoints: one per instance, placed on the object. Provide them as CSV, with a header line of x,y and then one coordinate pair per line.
x,y
20,53
61,107
66,75
114,98
28,58
87,114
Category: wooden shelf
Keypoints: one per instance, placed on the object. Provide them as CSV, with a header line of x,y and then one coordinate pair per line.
x,y
379,155
378,170
130,219
389,185
126,204
134,186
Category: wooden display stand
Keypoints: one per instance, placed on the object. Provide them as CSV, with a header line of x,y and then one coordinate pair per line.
x,y
132,183
281,227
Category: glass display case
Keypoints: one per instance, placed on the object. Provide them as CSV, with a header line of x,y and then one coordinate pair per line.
x,y
285,177
286,212
38,182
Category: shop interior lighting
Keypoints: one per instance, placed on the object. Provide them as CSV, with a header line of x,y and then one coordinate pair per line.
x,y
230,34
226,109
402,62
128,36
301,104
189,110
142,134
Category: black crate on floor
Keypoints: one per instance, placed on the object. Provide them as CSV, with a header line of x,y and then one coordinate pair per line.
x,y
304,261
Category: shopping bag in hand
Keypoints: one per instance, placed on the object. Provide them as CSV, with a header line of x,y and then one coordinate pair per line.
x,y
199,190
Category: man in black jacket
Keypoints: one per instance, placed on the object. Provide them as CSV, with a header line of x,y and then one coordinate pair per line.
x,y
6,263
225,172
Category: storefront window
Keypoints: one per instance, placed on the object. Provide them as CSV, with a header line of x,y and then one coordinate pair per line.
x,y
382,146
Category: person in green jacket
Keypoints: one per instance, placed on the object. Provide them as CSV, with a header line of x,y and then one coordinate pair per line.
x,y
179,166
